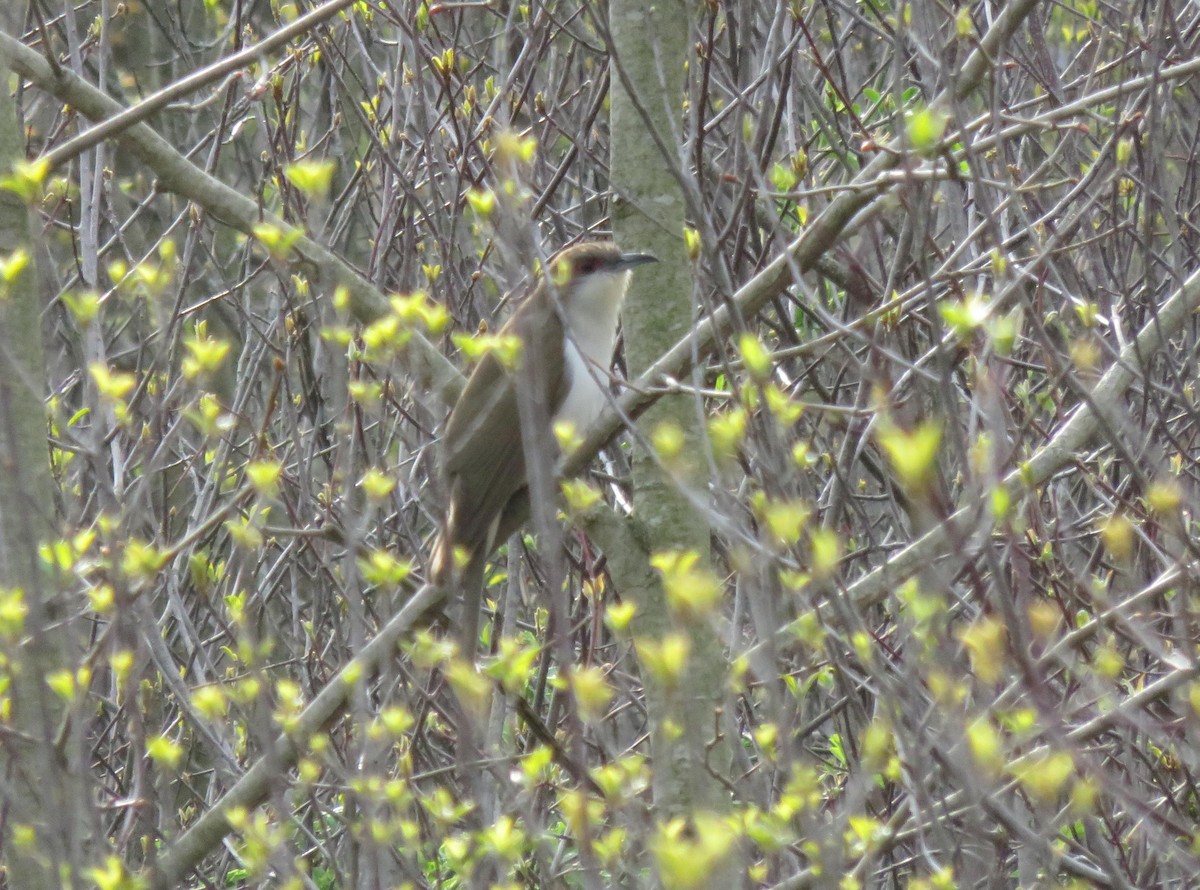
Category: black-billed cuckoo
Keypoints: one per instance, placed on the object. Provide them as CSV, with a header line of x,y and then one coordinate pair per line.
x,y
573,312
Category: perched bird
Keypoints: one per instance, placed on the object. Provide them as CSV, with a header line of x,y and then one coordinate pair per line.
x,y
571,317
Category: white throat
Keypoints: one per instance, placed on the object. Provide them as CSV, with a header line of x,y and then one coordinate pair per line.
x,y
591,313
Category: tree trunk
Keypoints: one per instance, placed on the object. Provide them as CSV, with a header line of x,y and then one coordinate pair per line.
x,y
649,54
43,791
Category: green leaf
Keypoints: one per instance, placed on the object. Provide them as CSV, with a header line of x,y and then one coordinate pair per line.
x,y
925,128
311,177
911,454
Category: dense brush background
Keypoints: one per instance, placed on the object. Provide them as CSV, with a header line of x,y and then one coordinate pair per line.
x,y
892,584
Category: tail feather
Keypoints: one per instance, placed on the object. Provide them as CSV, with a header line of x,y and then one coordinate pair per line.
x,y
463,583
441,561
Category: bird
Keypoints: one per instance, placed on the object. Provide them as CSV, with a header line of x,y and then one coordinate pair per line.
x,y
571,315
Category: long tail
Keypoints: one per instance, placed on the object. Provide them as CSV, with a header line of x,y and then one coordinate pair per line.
x,y
441,562
465,580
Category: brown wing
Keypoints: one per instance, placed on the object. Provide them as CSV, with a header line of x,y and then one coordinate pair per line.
x,y
483,458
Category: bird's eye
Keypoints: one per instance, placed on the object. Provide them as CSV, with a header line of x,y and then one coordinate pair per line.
x,y
588,266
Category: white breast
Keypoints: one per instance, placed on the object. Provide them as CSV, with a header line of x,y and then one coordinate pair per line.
x,y
592,314
585,399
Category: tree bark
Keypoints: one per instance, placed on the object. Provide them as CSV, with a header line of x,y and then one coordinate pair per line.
x,y
649,53
43,788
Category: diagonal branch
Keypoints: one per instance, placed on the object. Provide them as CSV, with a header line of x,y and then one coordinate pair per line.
x,y
111,127
177,174
1063,448
801,256
186,851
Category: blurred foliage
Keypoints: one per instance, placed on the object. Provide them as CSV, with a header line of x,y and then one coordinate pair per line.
x,y
247,486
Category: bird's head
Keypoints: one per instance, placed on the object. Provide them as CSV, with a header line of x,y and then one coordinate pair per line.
x,y
595,270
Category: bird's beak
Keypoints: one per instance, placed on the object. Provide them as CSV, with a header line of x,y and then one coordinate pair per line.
x,y
629,260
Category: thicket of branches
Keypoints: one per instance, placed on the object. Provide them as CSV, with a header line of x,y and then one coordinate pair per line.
x,y
934,414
